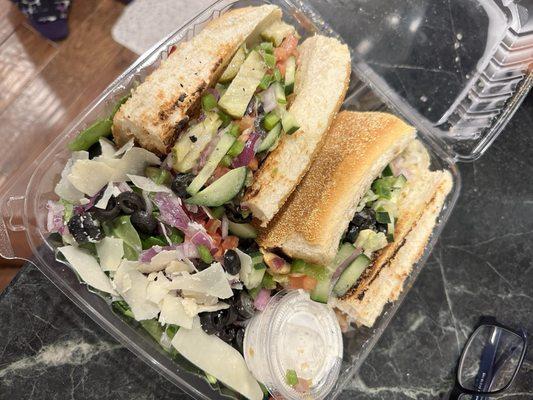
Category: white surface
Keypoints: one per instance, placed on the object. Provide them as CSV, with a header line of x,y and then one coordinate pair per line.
x,y
145,22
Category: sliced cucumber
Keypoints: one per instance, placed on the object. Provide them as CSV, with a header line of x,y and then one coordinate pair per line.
x,y
270,139
190,145
270,120
321,291
234,65
222,190
242,88
222,147
350,275
278,31
244,231
279,93
290,75
289,123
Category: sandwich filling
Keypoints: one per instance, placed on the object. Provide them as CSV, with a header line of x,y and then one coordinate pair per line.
x,y
241,121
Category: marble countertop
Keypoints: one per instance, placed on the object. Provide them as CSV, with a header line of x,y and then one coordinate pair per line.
x,y
481,265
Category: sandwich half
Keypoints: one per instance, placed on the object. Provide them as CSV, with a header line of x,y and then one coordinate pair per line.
x,y
161,106
320,89
365,211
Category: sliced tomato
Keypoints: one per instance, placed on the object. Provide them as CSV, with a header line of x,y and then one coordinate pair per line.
x,y
230,242
245,123
212,225
253,164
299,281
289,47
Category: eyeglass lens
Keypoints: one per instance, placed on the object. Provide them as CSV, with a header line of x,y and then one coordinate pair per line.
x,y
490,360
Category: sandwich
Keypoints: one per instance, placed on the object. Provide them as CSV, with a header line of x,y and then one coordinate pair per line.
x,y
364,211
239,110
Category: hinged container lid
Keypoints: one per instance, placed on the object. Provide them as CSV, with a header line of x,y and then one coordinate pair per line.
x,y
458,69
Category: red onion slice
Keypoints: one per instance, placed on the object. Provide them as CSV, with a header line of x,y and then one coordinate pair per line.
x,y
262,299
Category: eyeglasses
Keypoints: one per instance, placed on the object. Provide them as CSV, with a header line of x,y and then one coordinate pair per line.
x,y
490,361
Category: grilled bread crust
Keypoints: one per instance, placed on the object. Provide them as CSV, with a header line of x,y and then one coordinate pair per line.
x,y
160,107
322,80
358,146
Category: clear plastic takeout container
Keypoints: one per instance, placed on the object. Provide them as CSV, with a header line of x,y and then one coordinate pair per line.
x,y
456,70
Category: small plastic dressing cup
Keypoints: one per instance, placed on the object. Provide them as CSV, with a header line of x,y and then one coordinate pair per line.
x,y
294,333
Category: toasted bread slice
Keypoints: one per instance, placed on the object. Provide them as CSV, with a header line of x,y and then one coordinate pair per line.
x,y
384,280
159,107
321,83
356,149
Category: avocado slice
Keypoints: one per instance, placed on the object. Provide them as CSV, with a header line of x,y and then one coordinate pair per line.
x,y
239,93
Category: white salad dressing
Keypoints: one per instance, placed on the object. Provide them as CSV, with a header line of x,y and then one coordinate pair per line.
x,y
294,333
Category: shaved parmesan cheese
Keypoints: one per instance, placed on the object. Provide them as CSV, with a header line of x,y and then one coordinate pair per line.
x,y
110,190
89,176
124,149
87,268
173,312
175,267
84,201
217,358
159,261
211,281
133,162
108,148
64,188
248,275
148,184
110,252
211,308
132,286
158,289
200,298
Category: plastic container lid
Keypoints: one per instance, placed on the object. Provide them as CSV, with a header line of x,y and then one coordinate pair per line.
x,y
457,68
297,334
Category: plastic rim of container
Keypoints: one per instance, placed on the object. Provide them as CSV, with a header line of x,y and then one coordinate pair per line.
x,y
294,333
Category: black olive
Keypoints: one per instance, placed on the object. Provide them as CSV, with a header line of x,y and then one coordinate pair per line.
x,y
351,233
249,246
84,228
111,211
365,219
382,228
180,183
95,150
244,305
232,262
235,214
214,322
239,340
144,222
227,334
129,202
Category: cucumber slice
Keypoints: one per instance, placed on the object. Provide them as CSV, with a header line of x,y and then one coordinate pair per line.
x,y
222,147
279,92
321,291
234,65
222,190
270,139
350,275
289,123
290,75
270,121
244,231
242,88
190,145
278,31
